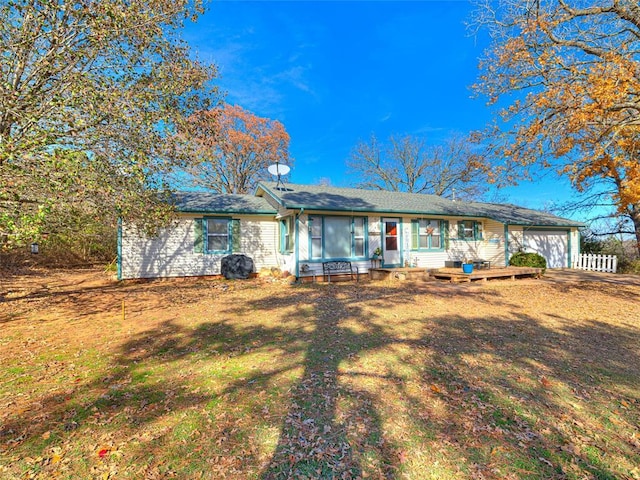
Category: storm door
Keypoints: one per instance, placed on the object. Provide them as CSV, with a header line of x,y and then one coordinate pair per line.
x,y
391,242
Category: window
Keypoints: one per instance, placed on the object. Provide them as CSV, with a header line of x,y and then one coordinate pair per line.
x,y
469,230
426,234
391,235
337,237
216,235
316,237
358,237
286,234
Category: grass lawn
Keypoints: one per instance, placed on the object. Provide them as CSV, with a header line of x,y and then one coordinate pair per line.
x,y
254,379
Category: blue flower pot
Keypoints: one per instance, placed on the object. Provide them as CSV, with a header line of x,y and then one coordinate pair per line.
x,y
467,267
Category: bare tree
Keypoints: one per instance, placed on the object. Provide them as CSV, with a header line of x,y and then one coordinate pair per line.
x,y
407,164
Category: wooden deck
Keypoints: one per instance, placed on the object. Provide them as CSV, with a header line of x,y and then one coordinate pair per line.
x,y
455,275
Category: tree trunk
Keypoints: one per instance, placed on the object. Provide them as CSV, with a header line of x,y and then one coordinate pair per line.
x,y
635,218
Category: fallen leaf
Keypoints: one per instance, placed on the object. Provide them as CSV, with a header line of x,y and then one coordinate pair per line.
x,y
46,435
544,460
103,452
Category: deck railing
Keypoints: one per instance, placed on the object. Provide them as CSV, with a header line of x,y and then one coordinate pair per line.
x,y
596,263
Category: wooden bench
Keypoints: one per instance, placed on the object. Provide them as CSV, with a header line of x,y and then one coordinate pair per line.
x,y
339,268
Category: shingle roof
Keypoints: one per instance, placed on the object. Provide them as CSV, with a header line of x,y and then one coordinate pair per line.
x,y
317,197
514,215
205,202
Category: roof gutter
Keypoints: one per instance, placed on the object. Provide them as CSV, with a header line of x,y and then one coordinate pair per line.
x,y
286,214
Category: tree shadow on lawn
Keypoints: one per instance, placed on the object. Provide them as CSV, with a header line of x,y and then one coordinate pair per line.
x,y
468,391
80,301
318,437
315,439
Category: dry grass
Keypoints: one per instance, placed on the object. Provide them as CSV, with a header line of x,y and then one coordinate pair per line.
x,y
215,379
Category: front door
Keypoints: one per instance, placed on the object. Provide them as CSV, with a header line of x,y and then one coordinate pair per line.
x,y
391,242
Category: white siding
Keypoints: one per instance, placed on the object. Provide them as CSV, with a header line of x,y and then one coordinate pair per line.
x,y
575,245
516,240
427,259
303,237
493,243
463,249
490,248
171,253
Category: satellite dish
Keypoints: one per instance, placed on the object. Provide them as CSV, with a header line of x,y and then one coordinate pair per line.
x,y
277,170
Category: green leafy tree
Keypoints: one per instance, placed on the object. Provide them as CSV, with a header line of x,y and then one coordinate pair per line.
x,y
91,93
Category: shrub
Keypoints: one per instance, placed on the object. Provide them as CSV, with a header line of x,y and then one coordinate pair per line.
x,y
629,266
522,259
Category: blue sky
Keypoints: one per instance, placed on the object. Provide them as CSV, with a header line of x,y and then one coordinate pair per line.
x,y
336,72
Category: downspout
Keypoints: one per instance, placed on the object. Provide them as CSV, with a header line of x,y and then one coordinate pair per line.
x,y
569,248
297,243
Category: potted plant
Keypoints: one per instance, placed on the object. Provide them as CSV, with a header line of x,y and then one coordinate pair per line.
x,y
467,265
377,253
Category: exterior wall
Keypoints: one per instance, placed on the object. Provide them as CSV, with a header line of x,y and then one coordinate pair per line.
x,y
302,242
171,253
517,241
493,243
575,246
491,247
432,259
315,265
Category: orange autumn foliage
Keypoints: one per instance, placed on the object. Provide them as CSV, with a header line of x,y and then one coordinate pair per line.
x,y
233,148
575,67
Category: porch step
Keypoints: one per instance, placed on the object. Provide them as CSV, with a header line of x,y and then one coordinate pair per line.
x,y
403,273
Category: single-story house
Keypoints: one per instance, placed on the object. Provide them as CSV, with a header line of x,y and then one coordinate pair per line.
x,y
297,227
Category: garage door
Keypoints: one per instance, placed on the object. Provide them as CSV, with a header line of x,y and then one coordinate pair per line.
x,y
552,245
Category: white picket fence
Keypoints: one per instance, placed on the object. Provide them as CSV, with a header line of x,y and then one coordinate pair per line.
x,y
596,263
